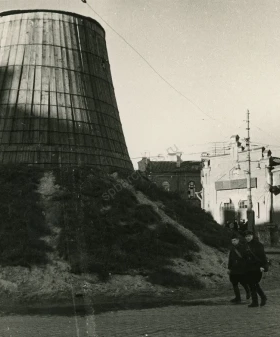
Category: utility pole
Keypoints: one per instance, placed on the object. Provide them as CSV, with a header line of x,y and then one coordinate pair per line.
x,y
250,211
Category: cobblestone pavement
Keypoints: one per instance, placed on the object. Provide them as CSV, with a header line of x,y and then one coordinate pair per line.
x,y
215,318
195,321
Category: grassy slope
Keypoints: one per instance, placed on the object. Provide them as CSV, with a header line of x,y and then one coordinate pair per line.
x,y
22,219
115,235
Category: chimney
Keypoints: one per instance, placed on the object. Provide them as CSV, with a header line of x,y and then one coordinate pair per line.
x,y
143,163
234,145
179,160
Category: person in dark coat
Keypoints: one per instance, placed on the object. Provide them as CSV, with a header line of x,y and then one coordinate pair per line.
x,y
237,268
243,226
231,226
256,264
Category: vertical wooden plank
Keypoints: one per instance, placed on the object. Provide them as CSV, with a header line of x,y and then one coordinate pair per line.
x,y
62,35
15,30
16,76
43,124
23,31
37,86
62,113
52,87
59,82
45,73
19,55
6,41
1,33
5,57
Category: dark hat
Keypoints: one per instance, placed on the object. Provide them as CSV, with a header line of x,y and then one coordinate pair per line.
x,y
234,236
248,233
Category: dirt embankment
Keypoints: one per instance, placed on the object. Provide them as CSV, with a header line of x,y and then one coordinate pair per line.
x,y
55,283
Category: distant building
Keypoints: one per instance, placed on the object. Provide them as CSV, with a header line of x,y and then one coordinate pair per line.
x,y
180,176
224,184
275,190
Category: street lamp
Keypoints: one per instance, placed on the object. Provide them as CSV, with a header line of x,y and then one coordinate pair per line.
x,y
236,169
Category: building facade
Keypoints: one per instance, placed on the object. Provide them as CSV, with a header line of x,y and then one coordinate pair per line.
x,y
182,177
225,178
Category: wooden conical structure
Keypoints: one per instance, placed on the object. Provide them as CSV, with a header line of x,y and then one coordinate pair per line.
x,y
57,100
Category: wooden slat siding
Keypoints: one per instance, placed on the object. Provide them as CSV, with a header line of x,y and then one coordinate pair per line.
x,y
44,125
16,136
3,35
36,123
74,44
83,86
55,22
72,98
15,32
45,85
3,121
73,139
83,48
8,124
60,101
39,46
25,74
2,156
8,35
53,102
5,68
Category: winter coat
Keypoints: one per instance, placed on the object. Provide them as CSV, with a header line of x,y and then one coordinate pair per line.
x,y
236,263
255,256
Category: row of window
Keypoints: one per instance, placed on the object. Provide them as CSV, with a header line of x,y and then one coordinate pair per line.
x,y
191,188
243,204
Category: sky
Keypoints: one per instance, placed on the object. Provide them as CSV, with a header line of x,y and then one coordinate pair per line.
x,y
186,71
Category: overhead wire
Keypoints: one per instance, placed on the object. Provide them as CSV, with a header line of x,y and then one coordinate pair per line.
x,y
163,78
154,70
265,131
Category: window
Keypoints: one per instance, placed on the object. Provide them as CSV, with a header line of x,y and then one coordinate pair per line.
x,y
243,204
166,185
228,205
191,190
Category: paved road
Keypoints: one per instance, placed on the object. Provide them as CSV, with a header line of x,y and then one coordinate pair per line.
x,y
194,321
218,319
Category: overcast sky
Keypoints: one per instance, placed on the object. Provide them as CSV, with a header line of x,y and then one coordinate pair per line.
x,y
222,57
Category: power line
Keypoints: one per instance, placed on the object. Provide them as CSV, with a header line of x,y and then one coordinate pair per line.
x,y
164,79
265,132
149,64
154,70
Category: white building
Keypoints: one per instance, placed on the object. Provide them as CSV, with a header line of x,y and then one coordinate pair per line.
x,y
224,183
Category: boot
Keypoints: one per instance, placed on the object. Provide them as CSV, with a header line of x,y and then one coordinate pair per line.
x,y
263,301
253,305
237,298
262,295
248,295
255,302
